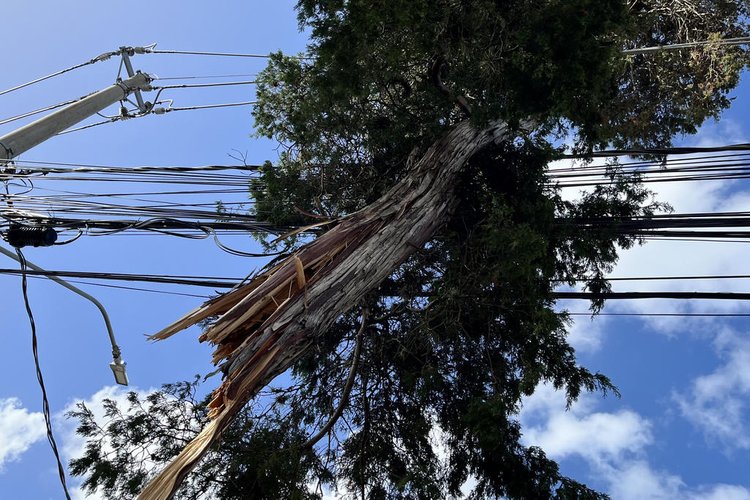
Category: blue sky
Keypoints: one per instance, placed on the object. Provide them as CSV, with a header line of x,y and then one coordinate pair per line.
x,y
681,428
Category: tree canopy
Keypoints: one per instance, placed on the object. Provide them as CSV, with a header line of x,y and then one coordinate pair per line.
x,y
419,386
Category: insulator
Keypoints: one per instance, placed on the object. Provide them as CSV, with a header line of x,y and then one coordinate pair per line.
x,y
20,236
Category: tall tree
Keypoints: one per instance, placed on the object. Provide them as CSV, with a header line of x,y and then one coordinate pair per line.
x,y
414,324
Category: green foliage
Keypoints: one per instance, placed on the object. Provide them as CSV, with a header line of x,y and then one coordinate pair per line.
x,y
467,327
260,458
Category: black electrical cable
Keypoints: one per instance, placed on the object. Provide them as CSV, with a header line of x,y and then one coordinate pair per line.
x,y
39,376
672,160
198,281
651,295
71,240
87,167
240,253
662,278
675,315
138,289
695,240
158,224
656,151
129,288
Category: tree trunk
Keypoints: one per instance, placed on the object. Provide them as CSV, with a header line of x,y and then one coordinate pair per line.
x,y
268,323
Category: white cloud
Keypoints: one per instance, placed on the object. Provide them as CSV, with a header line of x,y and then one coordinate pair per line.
x,y
637,480
19,429
595,436
73,445
586,334
717,403
723,492
614,445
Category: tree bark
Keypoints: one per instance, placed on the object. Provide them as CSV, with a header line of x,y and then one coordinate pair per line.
x,y
268,323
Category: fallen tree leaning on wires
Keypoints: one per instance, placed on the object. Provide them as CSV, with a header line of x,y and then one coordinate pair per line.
x,y
429,202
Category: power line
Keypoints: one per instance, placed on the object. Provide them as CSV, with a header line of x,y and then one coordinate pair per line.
x,y
675,315
88,167
39,376
91,125
132,288
200,85
157,111
656,151
193,77
229,282
198,281
688,45
218,54
101,57
663,278
138,289
652,295
207,106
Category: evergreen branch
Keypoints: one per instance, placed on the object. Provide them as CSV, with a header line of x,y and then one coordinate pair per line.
x,y
347,387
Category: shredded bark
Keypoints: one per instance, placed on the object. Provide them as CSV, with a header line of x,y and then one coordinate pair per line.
x,y
265,325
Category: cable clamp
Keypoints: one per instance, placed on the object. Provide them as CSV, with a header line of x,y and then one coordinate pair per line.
x,y
145,49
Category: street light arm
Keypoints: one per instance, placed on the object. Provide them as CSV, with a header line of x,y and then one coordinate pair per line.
x,y
117,365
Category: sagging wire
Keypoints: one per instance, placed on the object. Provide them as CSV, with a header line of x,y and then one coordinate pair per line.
x,y
239,253
152,225
71,240
39,376
206,230
25,183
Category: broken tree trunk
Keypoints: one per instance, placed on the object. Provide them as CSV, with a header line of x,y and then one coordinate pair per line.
x,y
268,323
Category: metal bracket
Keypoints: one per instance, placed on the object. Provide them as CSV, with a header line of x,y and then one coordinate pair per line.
x,y
6,153
126,52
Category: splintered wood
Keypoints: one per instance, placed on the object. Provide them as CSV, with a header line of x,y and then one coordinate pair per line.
x,y
265,325
245,310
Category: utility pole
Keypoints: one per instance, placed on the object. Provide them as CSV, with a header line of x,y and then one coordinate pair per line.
x,y
21,140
